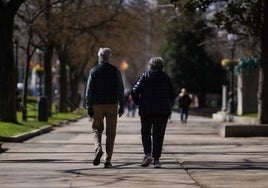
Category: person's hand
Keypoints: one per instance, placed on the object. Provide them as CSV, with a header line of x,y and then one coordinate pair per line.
x,y
90,112
120,111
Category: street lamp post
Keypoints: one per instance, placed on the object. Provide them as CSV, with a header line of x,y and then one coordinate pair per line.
x,y
123,67
231,105
42,100
40,71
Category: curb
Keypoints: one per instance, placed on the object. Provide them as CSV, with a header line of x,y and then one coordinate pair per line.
x,y
243,130
26,136
224,117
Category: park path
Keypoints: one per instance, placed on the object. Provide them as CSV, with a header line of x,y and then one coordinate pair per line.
x,y
193,156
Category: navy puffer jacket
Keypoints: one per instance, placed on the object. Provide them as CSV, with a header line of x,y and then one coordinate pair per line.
x,y
154,94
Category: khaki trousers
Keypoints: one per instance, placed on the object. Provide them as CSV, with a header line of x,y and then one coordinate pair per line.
x,y
109,112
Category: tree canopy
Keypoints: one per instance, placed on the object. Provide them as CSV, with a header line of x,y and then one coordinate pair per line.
x,y
188,63
242,17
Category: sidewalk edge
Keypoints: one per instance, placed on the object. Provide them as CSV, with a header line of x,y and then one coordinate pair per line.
x,y
26,136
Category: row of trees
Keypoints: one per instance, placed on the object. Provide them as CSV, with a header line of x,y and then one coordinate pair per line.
x,y
73,30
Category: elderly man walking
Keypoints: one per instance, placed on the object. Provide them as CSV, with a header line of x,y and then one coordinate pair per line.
x,y
104,92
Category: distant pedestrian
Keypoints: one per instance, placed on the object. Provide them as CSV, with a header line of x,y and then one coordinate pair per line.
x,y
155,96
131,107
104,92
184,102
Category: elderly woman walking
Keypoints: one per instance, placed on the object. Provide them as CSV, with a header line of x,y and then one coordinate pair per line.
x,y
154,94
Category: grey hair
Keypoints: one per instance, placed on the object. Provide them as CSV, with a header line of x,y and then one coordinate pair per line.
x,y
104,54
156,63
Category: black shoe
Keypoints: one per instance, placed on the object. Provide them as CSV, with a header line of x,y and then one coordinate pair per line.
x,y
107,164
147,160
157,164
97,158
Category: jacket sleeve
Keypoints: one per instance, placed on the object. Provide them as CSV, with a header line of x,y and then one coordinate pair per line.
x,y
136,90
89,90
120,89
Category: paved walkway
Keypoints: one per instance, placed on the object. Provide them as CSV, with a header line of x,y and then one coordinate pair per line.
x,y
194,156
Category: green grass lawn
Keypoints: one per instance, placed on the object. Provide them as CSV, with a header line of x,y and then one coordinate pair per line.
x,y
254,115
12,129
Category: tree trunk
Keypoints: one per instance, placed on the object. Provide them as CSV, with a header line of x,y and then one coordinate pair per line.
x,y
48,52
7,67
76,75
7,77
263,77
63,57
25,87
75,95
63,86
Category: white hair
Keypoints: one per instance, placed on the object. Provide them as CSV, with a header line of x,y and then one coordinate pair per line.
x,y
104,54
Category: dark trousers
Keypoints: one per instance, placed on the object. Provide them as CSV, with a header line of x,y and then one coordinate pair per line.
x,y
184,114
152,131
